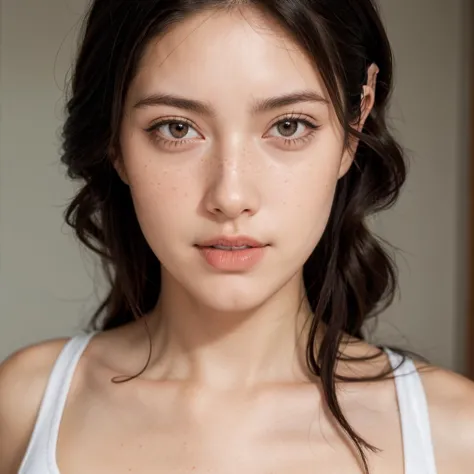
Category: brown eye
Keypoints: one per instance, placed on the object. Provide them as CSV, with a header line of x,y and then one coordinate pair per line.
x,y
287,128
178,129
293,128
173,130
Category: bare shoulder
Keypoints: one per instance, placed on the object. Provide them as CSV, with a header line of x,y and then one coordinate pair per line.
x,y
451,406
23,379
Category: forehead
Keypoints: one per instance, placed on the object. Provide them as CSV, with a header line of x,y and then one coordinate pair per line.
x,y
235,52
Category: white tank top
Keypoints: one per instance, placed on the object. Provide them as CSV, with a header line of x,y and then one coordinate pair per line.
x,y
40,457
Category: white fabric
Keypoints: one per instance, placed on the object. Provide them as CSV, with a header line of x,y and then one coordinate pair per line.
x,y
417,443
40,457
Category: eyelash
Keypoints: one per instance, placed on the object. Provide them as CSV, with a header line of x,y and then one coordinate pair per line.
x,y
152,130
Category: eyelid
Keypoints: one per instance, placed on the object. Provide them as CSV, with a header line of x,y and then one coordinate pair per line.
x,y
173,119
296,117
167,120
308,121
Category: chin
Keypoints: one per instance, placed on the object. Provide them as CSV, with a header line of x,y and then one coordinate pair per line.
x,y
232,293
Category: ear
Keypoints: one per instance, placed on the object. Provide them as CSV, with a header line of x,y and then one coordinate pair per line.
x,y
368,95
366,104
118,164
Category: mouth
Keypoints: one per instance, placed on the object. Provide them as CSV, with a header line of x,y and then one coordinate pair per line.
x,y
232,254
232,243
230,248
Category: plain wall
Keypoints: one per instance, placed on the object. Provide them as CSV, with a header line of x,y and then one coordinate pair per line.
x,y
433,63
46,285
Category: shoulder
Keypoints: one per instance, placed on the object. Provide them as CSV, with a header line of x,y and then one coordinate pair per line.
x,y
23,379
450,400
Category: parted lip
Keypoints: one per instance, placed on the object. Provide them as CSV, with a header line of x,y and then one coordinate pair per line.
x,y
231,241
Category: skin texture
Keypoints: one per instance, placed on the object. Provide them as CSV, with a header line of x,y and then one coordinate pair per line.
x,y
232,174
226,390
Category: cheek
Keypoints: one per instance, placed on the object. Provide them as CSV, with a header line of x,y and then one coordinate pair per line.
x,y
162,198
309,189
307,202
158,188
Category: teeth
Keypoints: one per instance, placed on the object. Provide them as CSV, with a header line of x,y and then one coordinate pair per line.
x,y
223,247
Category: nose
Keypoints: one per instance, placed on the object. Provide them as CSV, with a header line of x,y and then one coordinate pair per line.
x,y
232,189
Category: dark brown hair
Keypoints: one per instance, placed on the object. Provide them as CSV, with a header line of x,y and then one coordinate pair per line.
x,y
349,277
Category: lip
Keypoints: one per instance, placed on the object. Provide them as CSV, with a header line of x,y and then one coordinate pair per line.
x,y
233,241
239,260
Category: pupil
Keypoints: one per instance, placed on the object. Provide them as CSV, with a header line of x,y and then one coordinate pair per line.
x,y
178,130
288,128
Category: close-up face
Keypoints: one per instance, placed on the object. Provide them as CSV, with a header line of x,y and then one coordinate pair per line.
x,y
228,132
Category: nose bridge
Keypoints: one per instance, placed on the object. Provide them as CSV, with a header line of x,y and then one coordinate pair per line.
x,y
233,160
232,189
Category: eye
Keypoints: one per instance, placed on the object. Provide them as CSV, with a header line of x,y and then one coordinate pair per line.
x,y
174,130
292,128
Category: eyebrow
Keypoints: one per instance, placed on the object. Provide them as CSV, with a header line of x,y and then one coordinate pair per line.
x,y
205,108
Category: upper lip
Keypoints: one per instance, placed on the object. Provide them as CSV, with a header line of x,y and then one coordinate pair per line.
x,y
237,241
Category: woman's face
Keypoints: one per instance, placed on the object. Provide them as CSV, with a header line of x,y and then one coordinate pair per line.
x,y
227,133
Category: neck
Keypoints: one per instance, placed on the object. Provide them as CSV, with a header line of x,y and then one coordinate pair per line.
x,y
230,349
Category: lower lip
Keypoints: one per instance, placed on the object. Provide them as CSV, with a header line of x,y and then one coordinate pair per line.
x,y
232,260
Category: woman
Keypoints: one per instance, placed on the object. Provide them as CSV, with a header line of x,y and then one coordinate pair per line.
x,y
230,153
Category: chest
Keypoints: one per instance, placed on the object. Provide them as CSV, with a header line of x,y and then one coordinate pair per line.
x,y
275,433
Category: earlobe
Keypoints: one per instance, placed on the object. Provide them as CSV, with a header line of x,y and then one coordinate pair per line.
x,y
118,164
366,105
346,162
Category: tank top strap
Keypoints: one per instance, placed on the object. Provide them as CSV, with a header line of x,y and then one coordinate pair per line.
x,y
44,438
414,417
